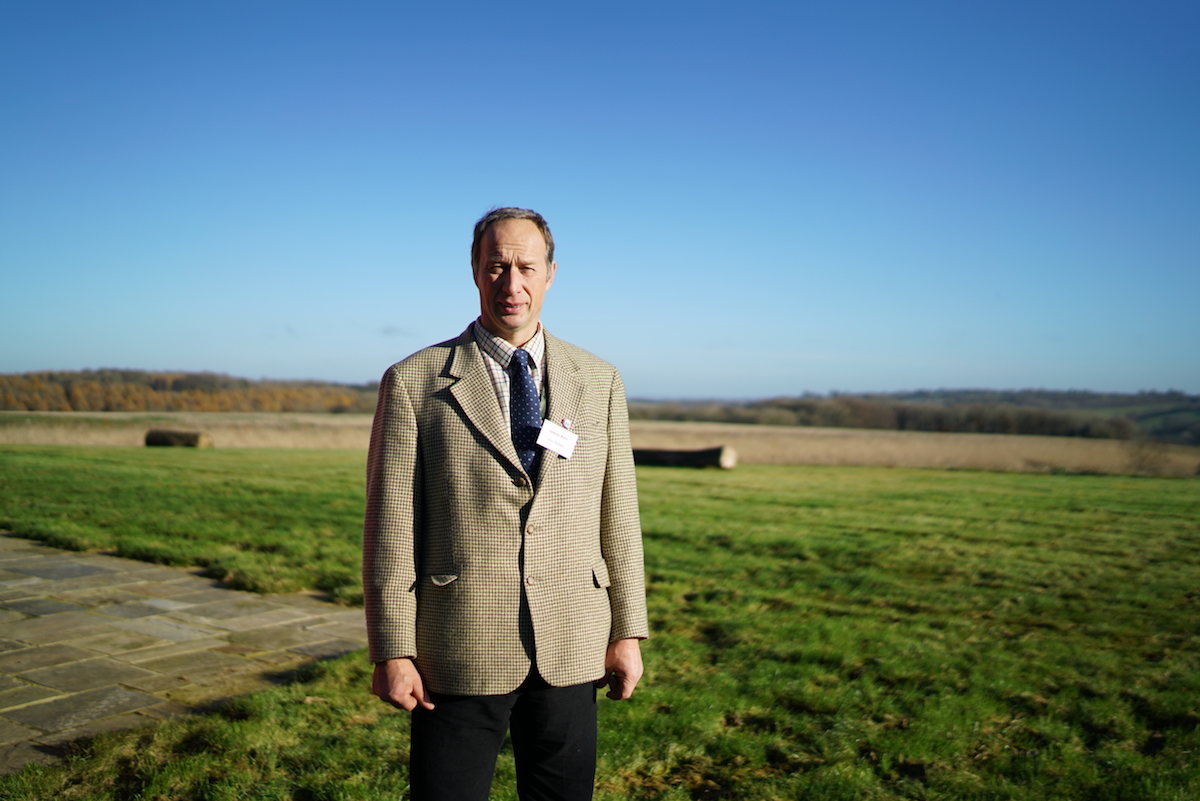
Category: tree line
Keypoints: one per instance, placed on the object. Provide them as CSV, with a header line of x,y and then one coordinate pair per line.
x,y
111,390
1168,416
1070,399
1171,416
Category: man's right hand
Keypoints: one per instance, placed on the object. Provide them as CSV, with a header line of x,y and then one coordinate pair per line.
x,y
397,682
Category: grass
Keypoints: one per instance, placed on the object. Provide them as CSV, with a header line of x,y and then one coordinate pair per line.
x,y
818,632
861,633
261,520
319,737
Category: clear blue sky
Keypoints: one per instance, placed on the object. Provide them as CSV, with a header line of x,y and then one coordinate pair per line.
x,y
749,199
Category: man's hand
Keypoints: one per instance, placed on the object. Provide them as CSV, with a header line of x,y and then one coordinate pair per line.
x,y
622,668
397,682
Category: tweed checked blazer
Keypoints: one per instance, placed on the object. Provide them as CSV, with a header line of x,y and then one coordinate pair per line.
x,y
457,538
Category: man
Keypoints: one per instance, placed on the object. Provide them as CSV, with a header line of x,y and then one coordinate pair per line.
x,y
502,555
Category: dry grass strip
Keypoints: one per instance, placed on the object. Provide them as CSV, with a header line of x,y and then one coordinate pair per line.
x,y
755,444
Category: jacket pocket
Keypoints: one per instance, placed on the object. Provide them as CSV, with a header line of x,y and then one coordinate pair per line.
x,y
442,579
600,575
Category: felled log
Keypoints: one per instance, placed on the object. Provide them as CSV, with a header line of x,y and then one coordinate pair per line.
x,y
723,457
178,439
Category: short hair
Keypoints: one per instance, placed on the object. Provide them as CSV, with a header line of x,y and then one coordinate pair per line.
x,y
511,213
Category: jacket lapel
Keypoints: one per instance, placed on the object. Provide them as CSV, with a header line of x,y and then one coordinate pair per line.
x,y
477,397
566,388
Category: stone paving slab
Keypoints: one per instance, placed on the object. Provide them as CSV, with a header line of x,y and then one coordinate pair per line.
x,y
61,569
116,642
200,664
100,596
95,727
329,648
41,606
13,732
275,658
164,629
86,675
15,589
24,694
347,630
267,618
130,610
277,637
12,615
25,659
170,649
68,712
92,643
157,683
17,755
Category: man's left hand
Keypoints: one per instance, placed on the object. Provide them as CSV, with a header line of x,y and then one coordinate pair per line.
x,y
622,668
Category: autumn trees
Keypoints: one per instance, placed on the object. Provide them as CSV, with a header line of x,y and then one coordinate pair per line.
x,y
141,391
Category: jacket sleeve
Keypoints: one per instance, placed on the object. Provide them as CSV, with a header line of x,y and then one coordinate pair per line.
x,y
620,525
392,517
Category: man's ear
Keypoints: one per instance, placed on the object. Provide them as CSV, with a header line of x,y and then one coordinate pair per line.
x,y
550,273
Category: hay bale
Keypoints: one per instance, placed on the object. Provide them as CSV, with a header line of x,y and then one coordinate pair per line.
x,y
178,439
723,457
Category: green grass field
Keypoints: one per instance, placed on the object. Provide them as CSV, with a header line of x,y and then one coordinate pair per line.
x,y
819,633
262,520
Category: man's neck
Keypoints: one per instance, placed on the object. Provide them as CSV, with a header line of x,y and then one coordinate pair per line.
x,y
518,339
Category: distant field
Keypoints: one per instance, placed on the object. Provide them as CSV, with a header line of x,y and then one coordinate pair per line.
x,y
760,444
755,444
819,632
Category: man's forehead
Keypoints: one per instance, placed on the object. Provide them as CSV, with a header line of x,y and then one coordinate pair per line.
x,y
514,238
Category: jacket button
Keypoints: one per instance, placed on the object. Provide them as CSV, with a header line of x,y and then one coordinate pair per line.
x,y
529,530
530,581
521,481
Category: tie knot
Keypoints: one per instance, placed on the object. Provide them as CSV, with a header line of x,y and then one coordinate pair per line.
x,y
520,358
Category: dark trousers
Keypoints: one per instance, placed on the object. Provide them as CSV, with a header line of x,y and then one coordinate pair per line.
x,y
553,731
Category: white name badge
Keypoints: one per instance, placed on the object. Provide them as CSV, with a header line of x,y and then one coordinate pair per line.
x,y
558,439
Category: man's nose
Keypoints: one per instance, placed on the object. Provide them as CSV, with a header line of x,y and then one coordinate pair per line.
x,y
509,282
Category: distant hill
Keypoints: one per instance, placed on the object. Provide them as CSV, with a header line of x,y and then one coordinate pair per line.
x,y
114,390
1170,416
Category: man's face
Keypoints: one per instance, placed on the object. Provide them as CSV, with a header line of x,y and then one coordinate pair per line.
x,y
512,276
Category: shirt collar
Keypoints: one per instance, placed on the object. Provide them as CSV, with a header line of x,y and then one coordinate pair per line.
x,y
502,351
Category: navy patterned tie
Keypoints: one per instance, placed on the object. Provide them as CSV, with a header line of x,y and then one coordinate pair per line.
x,y
524,409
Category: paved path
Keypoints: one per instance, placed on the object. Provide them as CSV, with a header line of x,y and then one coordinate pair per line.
x,y
91,643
